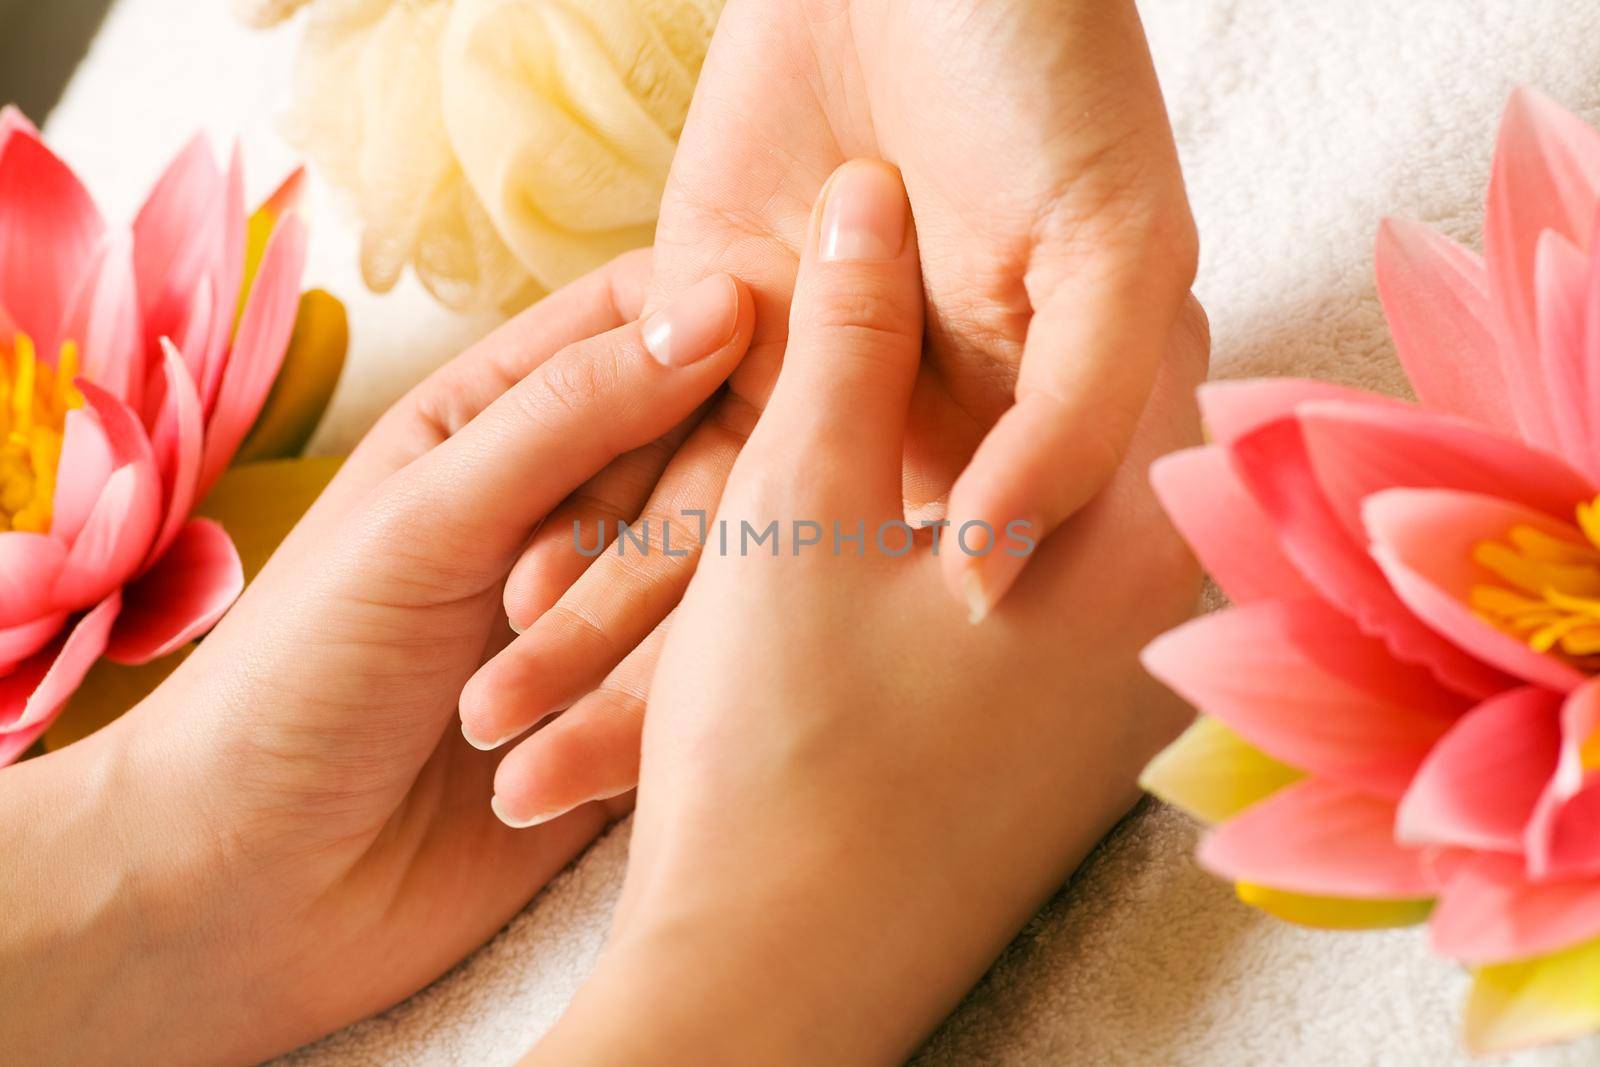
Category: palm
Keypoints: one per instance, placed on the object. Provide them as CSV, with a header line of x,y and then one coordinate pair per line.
x,y
982,106
387,805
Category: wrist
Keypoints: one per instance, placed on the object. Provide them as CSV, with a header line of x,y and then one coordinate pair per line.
x,y
104,945
680,997
760,973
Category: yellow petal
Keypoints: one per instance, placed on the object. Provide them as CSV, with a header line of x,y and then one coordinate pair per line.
x,y
108,690
1334,913
1533,1002
311,369
1213,774
259,503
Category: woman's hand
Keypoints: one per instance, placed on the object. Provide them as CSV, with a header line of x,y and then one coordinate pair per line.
x,y
852,798
289,834
1057,251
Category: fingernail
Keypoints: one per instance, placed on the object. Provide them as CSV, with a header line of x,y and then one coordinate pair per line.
x,y
518,630
977,601
865,214
480,744
699,321
500,812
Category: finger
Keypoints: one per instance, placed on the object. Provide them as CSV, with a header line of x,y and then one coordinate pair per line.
x,y
460,514
590,753
453,395
590,518
838,413
1090,358
618,600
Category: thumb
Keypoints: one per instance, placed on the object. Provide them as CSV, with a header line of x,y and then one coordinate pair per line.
x,y
467,507
855,339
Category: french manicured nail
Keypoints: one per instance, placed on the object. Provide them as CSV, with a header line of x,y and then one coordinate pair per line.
x,y
988,580
699,321
977,601
520,824
479,743
865,214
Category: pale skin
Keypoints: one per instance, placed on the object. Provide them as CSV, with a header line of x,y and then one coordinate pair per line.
x,y
1057,249
291,835
288,835
852,798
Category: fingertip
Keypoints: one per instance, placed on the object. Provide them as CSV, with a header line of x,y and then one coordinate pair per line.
x,y
504,811
982,559
714,316
535,583
590,753
480,743
482,725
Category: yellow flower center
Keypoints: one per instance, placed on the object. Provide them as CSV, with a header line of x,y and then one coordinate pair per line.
x,y
34,400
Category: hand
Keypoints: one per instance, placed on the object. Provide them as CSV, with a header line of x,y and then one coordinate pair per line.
x,y
287,835
851,799
1057,252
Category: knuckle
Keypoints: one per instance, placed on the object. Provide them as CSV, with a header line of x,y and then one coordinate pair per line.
x,y
581,377
866,315
579,626
589,508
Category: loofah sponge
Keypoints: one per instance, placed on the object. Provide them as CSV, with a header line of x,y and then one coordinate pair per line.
x,y
500,148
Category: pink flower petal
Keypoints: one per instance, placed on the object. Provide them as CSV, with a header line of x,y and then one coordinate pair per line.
x,y
1590,354
1319,838
117,535
1230,534
1563,838
17,643
103,317
1358,450
36,690
29,564
1275,466
1562,275
1424,540
1567,845
16,742
1546,176
1300,682
193,337
49,229
84,468
177,444
226,280
181,597
1233,409
1478,787
1488,912
1436,297
258,348
177,239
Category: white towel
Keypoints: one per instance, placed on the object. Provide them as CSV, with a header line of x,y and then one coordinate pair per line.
x,y
1301,123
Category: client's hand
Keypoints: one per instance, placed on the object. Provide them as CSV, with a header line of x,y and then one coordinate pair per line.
x,y
290,834
1057,252
851,798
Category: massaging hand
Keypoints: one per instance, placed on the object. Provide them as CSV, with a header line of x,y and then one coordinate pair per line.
x,y
290,833
851,799
1057,250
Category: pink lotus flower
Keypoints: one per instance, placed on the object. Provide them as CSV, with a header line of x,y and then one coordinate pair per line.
x,y
131,368
1402,708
